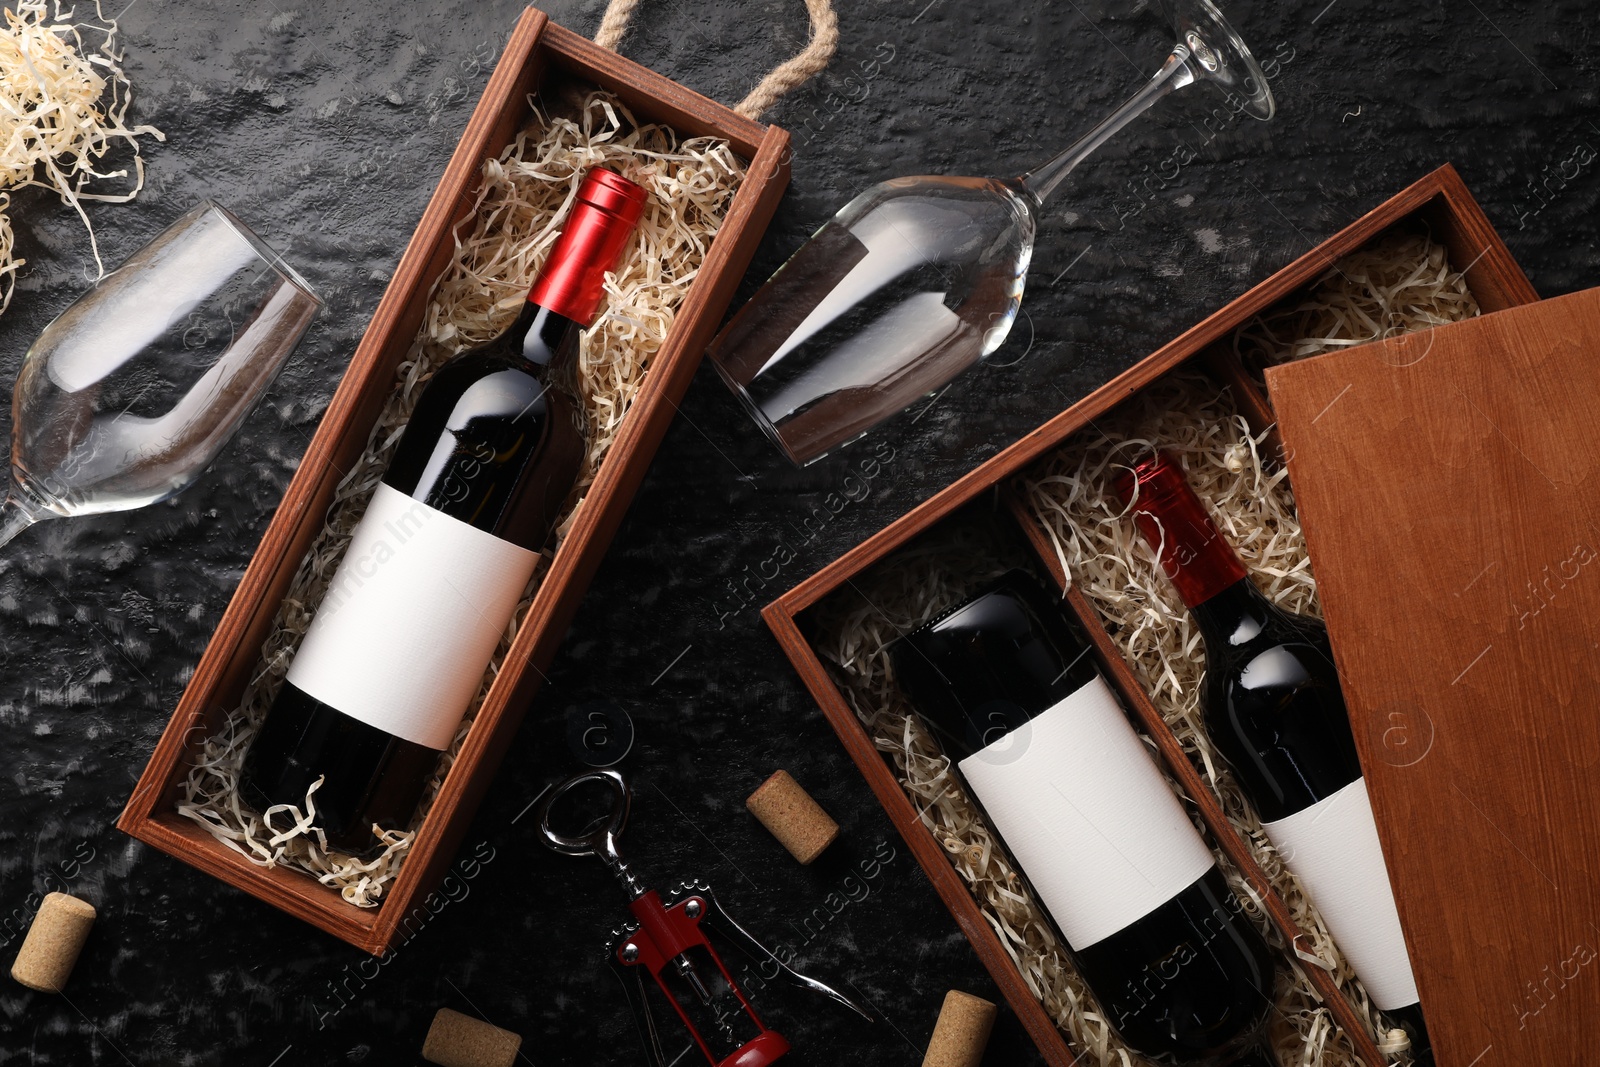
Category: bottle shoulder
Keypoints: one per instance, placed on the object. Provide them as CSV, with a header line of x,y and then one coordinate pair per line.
x,y
1241,619
1275,709
992,663
473,363
1254,644
490,443
532,344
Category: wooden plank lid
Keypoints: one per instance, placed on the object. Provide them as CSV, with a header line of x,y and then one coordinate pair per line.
x,y
1448,488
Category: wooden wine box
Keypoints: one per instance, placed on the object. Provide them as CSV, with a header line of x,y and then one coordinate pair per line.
x,y
1441,203
539,56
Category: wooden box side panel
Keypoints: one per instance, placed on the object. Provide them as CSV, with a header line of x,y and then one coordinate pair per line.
x,y
650,93
284,889
1476,248
1454,219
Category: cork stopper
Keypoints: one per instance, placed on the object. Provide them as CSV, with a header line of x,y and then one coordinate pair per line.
x,y
797,821
456,1040
962,1032
53,943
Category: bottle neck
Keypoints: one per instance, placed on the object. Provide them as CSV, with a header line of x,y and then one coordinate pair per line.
x,y
1233,615
542,337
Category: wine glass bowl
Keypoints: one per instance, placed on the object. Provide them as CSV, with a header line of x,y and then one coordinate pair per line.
x,y
913,282
919,279
129,394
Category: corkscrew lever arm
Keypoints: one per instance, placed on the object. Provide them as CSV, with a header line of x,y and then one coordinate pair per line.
x,y
728,928
632,980
600,839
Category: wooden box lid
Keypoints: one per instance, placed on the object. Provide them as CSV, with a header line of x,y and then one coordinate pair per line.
x,y
1448,489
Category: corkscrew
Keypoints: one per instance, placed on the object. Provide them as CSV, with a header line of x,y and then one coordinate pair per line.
x,y
668,940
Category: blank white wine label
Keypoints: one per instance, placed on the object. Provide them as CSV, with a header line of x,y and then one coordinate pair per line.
x,y
1332,848
411,619
1088,816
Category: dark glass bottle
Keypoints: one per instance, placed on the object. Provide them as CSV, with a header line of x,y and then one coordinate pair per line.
x,y
1274,709
436,566
1007,684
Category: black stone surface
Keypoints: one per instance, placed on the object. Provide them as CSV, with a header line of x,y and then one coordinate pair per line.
x,y
325,126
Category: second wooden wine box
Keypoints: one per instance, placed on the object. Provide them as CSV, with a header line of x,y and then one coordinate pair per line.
x,y
1443,483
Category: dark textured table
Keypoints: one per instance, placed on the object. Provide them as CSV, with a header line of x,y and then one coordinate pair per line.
x,y
325,126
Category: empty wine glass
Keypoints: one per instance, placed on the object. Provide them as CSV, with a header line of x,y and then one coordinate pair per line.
x,y
918,279
131,392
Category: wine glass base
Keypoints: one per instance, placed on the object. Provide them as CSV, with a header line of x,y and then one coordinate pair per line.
x,y
1218,54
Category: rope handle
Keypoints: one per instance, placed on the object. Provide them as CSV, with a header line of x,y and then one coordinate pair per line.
x,y
786,76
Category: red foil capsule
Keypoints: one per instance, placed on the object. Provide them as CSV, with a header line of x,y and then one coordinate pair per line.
x,y
1193,553
605,213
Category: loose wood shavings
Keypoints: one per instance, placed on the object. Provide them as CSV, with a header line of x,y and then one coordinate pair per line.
x,y
62,109
9,263
523,201
1401,283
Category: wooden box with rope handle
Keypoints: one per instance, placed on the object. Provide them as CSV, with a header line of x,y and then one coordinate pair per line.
x,y
539,56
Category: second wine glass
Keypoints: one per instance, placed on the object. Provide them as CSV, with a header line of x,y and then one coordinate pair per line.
x,y
919,279
131,392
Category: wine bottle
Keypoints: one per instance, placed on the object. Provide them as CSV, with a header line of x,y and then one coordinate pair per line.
x,y
1274,709
1006,683
439,559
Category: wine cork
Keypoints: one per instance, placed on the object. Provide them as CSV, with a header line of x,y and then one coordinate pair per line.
x,y
962,1032
53,943
456,1040
797,821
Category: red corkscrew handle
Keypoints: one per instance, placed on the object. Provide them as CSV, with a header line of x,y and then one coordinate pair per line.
x,y
666,933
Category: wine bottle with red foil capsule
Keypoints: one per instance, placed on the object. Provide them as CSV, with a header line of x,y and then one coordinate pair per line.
x,y
1274,709
439,559
1008,685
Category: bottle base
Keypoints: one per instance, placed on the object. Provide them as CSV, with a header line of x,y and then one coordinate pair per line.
x,y
368,777
1191,980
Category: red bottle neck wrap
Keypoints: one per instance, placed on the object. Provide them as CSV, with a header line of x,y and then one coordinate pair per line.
x,y
1192,551
605,213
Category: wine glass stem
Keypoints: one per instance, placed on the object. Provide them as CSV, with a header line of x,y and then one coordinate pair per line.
x,y
1175,73
13,520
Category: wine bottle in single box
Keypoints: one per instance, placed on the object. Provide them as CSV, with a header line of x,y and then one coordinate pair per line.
x,y
1274,709
435,568
1008,686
